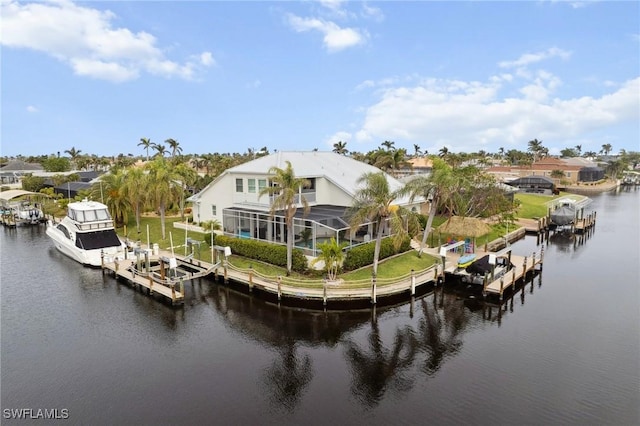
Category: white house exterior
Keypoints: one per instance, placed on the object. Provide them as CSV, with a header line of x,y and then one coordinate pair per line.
x,y
232,199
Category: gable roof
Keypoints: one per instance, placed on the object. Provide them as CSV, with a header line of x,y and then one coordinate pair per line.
x,y
19,165
340,170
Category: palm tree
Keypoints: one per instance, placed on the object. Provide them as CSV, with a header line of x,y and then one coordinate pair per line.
x,y
388,145
162,188
175,147
444,152
146,144
373,203
417,150
536,148
434,187
111,187
331,255
161,150
135,187
340,148
188,177
606,148
74,154
286,188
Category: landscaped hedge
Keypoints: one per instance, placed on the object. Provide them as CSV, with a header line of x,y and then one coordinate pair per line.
x,y
362,255
274,254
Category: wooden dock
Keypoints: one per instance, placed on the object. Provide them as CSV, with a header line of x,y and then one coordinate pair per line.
x,y
160,279
522,267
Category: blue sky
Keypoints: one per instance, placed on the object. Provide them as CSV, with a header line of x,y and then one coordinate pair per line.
x,y
222,76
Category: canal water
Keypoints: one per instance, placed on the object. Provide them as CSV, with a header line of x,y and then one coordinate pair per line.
x,y
565,349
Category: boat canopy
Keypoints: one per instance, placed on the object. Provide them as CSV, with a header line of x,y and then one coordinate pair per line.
x,y
15,193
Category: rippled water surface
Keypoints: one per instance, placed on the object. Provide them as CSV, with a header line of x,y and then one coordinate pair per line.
x,y
563,350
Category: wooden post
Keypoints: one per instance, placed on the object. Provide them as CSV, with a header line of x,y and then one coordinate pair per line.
x,y
173,293
373,290
485,281
501,286
226,272
117,264
182,289
524,267
150,284
250,278
435,276
324,293
413,283
444,260
279,287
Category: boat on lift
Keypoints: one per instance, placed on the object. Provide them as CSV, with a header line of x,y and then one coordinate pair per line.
x,y
20,208
86,234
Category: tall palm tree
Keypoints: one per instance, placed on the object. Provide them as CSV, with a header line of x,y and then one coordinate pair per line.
x,y
74,154
136,186
146,144
606,148
536,148
373,203
340,148
163,189
174,145
161,150
444,152
188,177
286,188
417,150
111,188
388,145
434,187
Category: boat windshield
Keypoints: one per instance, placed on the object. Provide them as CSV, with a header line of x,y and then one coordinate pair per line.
x,y
89,215
97,239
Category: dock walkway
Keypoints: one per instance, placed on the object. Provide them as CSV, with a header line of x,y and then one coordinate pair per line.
x,y
159,279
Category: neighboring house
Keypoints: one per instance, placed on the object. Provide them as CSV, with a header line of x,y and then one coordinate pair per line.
x,y
418,166
232,199
575,170
534,184
11,173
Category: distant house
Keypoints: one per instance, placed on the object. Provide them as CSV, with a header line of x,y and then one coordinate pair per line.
x,y
12,172
575,170
534,184
233,199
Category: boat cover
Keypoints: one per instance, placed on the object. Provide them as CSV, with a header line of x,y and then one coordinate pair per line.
x,y
563,215
97,239
480,266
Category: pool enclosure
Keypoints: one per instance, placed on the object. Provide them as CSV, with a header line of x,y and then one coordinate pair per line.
x,y
320,224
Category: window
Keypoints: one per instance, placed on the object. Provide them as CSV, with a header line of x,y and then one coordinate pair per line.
x,y
568,174
239,185
251,185
262,184
214,210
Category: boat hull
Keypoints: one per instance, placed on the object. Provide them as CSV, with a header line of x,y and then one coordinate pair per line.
x,y
93,258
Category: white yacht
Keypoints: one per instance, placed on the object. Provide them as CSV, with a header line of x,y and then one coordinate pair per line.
x,y
86,234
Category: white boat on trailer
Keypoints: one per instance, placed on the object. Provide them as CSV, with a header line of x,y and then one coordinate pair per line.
x,y
86,234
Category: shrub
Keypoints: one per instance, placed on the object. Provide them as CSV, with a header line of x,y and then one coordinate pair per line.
x,y
362,255
263,251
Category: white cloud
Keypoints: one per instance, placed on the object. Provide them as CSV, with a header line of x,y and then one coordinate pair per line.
x,y
254,84
372,12
85,39
335,38
531,58
31,108
465,116
337,137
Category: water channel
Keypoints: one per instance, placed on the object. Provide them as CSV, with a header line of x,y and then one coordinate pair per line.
x,y
565,349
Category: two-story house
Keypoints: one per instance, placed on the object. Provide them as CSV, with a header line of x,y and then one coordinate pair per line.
x,y
233,199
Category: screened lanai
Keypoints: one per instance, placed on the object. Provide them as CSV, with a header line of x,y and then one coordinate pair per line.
x,y
319,225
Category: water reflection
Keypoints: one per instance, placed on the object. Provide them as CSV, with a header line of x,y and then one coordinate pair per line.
x,y
377,369
425,333
288,376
